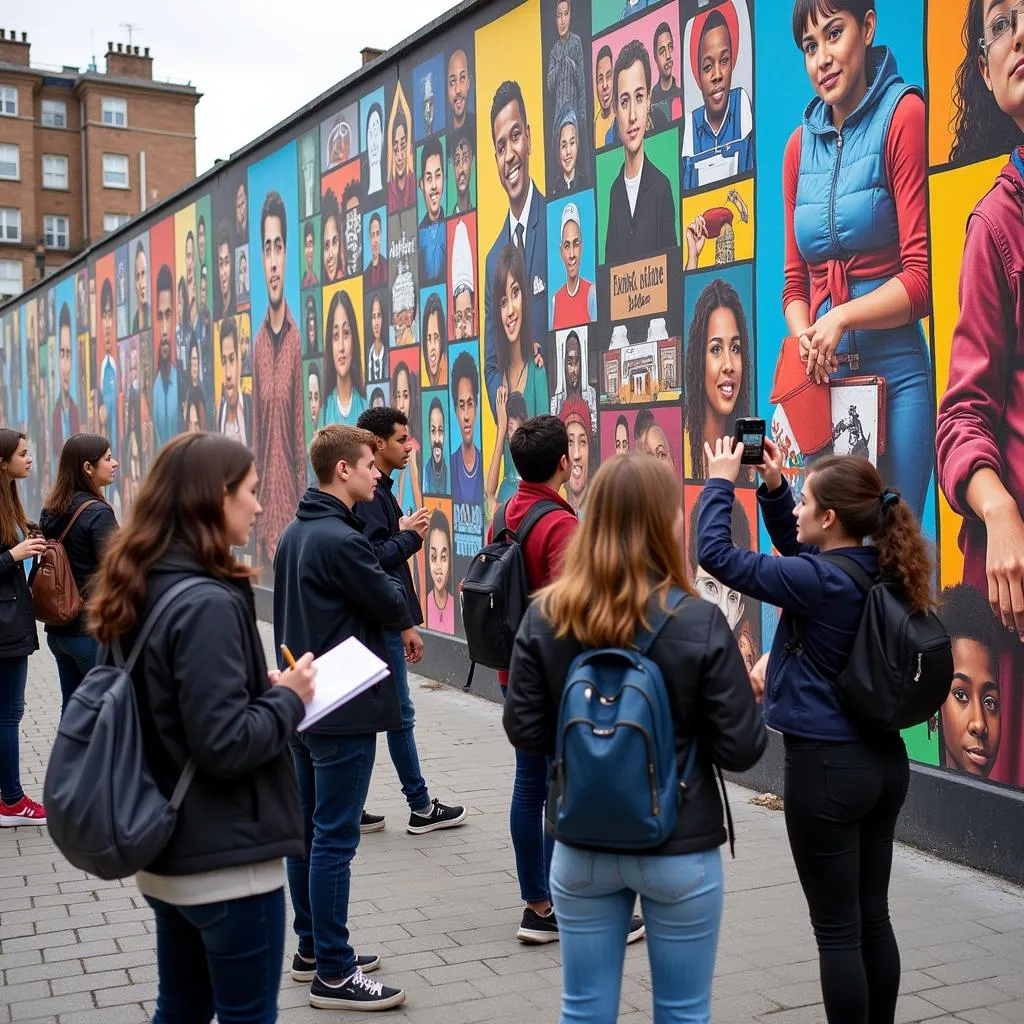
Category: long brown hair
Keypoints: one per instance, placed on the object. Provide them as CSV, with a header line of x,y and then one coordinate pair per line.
x,y
624,553
71,475
12,512
180,504
853,489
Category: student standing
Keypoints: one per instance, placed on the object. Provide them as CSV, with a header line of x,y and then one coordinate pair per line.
x,y
624,568
844,788
86,466
397,538
217,888
18,638
329,586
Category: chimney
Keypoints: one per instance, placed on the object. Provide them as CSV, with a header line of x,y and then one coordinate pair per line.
x,y
12,49
128,62
369,54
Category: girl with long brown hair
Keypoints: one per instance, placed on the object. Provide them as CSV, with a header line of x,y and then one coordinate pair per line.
x,y
86,467
19,544
204,693
843,788
625,574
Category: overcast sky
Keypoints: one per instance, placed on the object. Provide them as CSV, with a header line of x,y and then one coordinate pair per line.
x,y
255,62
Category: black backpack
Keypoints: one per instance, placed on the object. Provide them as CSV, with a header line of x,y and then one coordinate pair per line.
x,y
900,668
104,810
496,590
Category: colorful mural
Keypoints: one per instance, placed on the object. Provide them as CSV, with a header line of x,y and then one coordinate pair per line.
x,y
590,208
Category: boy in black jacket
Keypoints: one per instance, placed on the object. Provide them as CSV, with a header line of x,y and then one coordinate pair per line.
x,y
396,539
329,586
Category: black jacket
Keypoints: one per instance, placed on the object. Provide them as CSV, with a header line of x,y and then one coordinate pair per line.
x,y
18,637
203,692
652,225
393,547
328,586
83,545
709,690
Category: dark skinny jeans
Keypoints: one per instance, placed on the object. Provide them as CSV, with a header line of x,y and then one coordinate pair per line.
x,y
841,804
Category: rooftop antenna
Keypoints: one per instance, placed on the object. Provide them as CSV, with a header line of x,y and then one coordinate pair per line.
x,y
92,39
130,27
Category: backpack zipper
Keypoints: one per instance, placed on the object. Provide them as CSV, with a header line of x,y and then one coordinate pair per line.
x,y
917,675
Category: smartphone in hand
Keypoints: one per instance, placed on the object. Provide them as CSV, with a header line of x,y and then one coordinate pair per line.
x,y
749,432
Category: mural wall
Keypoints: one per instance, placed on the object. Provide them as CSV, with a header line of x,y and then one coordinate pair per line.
x,y
592,208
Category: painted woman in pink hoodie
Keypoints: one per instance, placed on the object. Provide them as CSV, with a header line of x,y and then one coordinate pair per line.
x,y
980,435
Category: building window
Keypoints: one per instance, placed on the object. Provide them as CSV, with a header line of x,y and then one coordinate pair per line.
x,y
112,221
10,224
55,114
11,281
115,112
115,170
8,101
55,172
56,232
10,162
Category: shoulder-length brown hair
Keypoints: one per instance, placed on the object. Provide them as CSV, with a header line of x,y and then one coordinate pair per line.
x,y
12,512
180,504
624,553
78,450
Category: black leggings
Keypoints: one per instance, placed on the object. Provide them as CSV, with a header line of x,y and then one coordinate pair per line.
x,y
841,803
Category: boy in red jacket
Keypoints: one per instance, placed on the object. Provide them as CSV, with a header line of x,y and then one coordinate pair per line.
x,y
540,452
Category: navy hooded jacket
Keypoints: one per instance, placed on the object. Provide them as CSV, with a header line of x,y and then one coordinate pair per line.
x,y
798,701
328,586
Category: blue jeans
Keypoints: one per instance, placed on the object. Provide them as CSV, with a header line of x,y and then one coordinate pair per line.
x,y
681,899
222,958
530,841
13,677
402,742
334,778
74,655
901,357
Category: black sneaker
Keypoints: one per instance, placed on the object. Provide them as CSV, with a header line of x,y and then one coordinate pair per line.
x,y
439,816
305,970
537,929
372,823
357,993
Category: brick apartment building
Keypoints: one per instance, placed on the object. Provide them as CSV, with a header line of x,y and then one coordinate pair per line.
x,y
82,152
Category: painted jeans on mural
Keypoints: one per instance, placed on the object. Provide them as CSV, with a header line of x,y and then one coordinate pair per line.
x,y
901,357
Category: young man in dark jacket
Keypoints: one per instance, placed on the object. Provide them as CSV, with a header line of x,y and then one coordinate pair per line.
x,y
540,453
329,586
396,539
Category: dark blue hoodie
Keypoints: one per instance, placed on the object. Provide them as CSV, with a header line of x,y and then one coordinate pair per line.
x,y
328,586
798,701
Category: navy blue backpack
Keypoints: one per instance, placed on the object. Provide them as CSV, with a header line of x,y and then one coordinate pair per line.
x,y
616,783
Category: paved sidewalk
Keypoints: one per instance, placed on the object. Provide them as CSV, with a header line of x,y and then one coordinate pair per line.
x,y
442,909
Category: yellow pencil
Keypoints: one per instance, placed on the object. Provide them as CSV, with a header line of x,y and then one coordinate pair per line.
x,y
287,655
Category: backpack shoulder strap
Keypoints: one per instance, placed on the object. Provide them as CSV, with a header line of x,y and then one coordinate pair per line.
x,y
74,519
498,523
864,580
645,638
537,511
153,617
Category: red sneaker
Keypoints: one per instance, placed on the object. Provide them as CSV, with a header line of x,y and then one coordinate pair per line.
x,y
24,812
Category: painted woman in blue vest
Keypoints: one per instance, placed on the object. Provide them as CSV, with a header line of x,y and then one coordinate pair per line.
x,y
857,280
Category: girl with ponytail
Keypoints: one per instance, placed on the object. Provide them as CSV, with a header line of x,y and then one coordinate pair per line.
x,y
843,788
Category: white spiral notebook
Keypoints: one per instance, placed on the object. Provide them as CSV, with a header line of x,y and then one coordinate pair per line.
x,y
342,673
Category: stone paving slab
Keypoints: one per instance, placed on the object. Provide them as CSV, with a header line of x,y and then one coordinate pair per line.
x,y
442,910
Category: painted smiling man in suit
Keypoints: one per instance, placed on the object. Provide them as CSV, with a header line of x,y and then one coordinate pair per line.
x,y
525,225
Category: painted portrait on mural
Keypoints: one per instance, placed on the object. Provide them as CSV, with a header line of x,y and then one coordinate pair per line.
x,y
979,435
344,388
401,169
462,141
371,145
278,387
